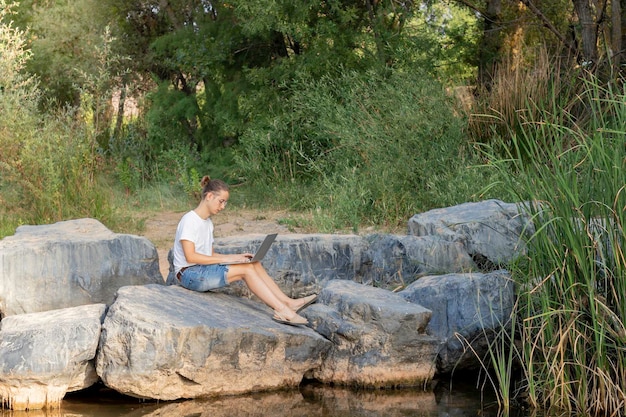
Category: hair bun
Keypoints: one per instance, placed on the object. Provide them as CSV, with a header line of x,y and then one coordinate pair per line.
x,y
205,180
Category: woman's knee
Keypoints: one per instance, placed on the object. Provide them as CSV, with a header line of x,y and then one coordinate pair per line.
x,y
234,277
242,269
250,277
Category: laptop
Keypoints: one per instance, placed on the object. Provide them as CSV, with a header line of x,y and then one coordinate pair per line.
x,y
260,254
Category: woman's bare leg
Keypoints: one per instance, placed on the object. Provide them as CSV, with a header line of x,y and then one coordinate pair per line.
x,y
271,284
256,284
293,304
269,294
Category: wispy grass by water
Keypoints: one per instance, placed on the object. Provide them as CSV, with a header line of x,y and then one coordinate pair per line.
x,y
572,309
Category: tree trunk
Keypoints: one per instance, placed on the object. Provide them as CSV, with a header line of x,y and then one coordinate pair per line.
x,y
374,22
120,112
616,33
491,44
622,44
589,32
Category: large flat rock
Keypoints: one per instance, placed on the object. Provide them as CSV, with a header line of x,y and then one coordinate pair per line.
x,y
45,355
379,338
302,264
71,263
165,342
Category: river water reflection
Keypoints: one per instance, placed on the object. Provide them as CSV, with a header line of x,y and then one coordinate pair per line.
x,y
311,400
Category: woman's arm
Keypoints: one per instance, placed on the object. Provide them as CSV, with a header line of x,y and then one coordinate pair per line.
x,y
193,257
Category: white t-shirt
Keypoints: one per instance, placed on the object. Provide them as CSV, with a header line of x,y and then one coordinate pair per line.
x,y
197,230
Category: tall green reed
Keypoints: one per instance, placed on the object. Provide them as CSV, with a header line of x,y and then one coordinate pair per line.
x,y
573,278
503,358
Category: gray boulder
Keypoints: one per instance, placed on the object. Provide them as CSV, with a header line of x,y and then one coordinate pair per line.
x,y
489,230
379,339
396,261
466,309
71,263
302,264
45,355
166,343
468,237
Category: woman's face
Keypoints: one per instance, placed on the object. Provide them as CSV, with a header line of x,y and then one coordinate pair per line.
x,y
217,201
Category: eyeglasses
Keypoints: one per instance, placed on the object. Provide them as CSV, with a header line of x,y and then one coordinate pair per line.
x,y
222,202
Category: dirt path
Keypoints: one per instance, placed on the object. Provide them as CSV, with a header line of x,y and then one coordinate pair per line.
x,y
161,227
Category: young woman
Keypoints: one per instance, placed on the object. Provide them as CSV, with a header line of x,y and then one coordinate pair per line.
x,y
199,268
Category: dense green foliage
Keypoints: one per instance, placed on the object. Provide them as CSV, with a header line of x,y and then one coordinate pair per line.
x,y
227,74
333,147
48,164
219,68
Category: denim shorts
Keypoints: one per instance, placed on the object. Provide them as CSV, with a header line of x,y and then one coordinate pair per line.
x,y
204,277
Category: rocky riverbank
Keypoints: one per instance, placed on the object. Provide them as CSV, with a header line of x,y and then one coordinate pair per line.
x,y
81,304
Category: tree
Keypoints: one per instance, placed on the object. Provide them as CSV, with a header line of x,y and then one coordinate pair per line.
x,y
218,64
64,33
596,31
19,94
40,151
584,29
76,60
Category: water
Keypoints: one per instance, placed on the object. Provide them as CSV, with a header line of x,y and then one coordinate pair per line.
x,y
458,399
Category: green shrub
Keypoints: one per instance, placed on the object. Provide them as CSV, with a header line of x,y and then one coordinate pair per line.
x,y
360,149
48,163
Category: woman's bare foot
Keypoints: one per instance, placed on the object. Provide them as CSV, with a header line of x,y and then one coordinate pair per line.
x,y
301,303
288,316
